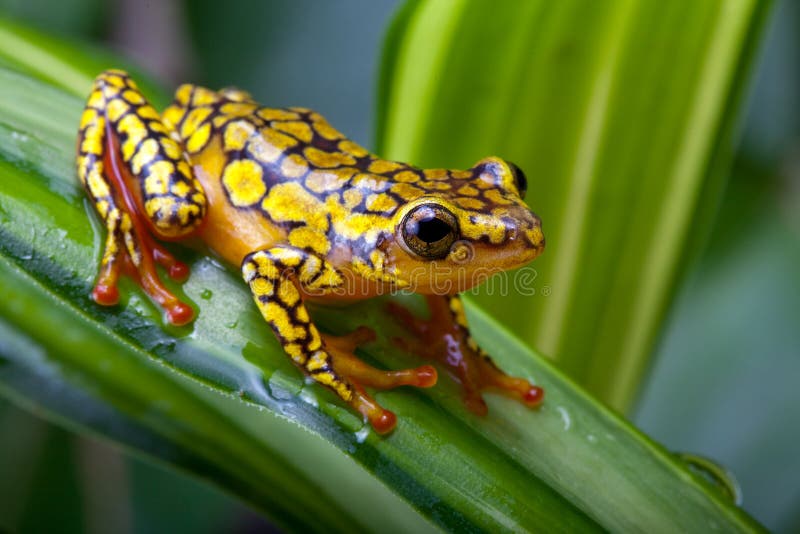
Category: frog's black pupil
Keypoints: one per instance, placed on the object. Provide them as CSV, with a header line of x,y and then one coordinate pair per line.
x,y
431,230
519,179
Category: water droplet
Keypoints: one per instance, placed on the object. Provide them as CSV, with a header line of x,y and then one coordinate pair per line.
x,y
283,386
309,397
717,475
361,435
564,417
278,393
206,294
592,438
163,347
233,324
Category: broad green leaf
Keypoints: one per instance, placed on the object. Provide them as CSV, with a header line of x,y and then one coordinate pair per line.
x,y
220,399
621,115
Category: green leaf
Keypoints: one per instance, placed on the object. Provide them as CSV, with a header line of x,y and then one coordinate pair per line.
x,y
621,115
62,63
220,399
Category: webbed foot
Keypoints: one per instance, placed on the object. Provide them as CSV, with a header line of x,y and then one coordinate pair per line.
x,y
359,374
445,338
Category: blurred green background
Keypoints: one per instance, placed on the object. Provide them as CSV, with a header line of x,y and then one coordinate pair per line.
x,y
723,384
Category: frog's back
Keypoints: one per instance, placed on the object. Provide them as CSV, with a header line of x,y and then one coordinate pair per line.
x,y
288,165
273,146
286,173
290,141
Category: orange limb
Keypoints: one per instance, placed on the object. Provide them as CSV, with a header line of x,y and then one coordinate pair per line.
x,y
148,252
275,276
359,374
445,338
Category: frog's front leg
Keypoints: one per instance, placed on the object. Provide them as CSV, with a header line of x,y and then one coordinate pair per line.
x,y
275,277
445,338
141,185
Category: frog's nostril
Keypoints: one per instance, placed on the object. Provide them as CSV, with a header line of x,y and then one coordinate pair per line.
x,y
512,232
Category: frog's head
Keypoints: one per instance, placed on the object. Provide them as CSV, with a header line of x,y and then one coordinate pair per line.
x,y
451,238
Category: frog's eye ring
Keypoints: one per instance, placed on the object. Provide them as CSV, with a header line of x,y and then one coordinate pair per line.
x,y
520,181
429,230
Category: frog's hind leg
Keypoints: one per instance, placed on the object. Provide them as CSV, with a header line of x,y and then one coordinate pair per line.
x,y
139,182
445,338
275,277
342,347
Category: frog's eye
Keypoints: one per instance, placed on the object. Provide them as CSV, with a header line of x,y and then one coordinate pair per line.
x,y
520,182
429,230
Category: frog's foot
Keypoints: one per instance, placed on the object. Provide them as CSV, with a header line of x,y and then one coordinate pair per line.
x,y
445,338
359,374
117,260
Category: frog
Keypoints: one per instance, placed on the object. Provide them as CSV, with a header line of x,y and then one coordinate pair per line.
x,y
307,216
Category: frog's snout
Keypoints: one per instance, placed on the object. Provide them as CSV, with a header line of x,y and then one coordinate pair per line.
x,y
533,233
